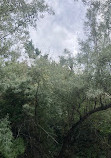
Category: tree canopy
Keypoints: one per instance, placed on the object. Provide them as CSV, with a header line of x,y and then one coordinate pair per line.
x,y
54,109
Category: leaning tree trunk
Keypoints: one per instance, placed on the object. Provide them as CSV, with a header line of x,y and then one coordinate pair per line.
x,y
67,139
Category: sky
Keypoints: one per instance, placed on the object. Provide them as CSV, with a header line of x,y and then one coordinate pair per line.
x,y
56,32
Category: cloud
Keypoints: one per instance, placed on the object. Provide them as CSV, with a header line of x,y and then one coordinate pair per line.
x,y
57,32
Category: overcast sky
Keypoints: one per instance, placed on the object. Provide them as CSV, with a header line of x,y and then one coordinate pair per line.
x,y
62,30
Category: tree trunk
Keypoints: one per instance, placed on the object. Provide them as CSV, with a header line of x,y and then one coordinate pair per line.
x,y
67,139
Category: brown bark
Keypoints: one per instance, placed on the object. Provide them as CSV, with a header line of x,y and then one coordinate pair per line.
x,y
67,138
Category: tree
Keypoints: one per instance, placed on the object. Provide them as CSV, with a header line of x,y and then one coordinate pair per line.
x,y
96,69
16,17
68,59
9,147
31,50
56,109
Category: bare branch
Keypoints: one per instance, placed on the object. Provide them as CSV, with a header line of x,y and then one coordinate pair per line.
x,y
46,133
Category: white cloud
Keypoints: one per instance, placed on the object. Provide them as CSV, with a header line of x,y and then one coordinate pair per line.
x,y
55,33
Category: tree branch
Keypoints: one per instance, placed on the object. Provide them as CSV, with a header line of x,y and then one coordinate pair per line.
x,y
67,138
36,101
47,133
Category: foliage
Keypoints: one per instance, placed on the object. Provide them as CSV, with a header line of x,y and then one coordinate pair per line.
x,y
16,16
55,109
9,147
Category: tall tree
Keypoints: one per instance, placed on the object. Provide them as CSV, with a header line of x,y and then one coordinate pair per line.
x,y
95,58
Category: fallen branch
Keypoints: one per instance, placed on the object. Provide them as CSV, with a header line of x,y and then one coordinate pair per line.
x,y
47,133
